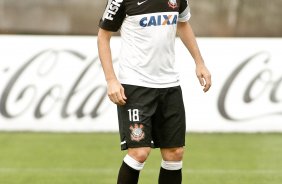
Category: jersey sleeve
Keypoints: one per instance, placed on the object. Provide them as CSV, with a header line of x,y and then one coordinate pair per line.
x,y
113,16
184,11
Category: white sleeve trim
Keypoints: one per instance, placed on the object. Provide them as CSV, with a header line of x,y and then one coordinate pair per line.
x,y
185,15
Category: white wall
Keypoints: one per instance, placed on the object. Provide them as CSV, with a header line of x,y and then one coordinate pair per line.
x,y
56,83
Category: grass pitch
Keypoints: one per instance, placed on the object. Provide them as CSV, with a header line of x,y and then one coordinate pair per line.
x,y
94,158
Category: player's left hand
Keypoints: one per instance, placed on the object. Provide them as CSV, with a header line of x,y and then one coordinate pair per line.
x,y
204,76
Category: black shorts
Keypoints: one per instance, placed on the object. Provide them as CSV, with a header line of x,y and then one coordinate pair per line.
x,y
152,117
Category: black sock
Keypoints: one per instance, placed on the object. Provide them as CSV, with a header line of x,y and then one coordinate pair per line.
x,y
127,175
170,176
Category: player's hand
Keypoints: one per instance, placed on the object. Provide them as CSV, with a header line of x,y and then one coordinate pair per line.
x,y
116,92
204,76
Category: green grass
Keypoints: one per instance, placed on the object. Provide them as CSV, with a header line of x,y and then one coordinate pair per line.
x,y
45,158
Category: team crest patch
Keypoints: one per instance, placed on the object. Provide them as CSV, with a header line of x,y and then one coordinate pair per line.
x,y
137,133
172,4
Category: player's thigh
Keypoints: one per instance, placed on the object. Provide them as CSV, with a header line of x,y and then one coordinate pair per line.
x,y
169,124
135,117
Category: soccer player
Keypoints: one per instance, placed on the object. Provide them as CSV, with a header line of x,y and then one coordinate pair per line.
x,y
147,92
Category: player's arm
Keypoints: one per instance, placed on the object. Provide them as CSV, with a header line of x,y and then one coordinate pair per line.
x,y
115,89
111,21
187,36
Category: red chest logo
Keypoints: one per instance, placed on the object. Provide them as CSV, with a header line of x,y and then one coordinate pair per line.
x,y
172,4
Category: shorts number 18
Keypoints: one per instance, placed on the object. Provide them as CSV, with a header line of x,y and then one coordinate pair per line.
x,y
133,114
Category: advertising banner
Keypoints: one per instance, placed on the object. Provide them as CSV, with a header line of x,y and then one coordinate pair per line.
x,y
56,83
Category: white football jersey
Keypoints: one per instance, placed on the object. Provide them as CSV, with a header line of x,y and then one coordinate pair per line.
x,y
148,31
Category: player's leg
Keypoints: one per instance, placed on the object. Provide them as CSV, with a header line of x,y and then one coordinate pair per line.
x,y
132,164
171,166
135,131
169,130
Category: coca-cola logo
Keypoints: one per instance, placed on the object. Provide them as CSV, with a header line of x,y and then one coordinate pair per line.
x,y
67,83
52,80
253,89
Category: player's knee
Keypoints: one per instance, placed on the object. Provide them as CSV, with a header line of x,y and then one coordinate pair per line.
x,y
173,154
139,154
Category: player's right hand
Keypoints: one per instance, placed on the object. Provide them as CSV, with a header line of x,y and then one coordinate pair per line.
x,y
116,92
